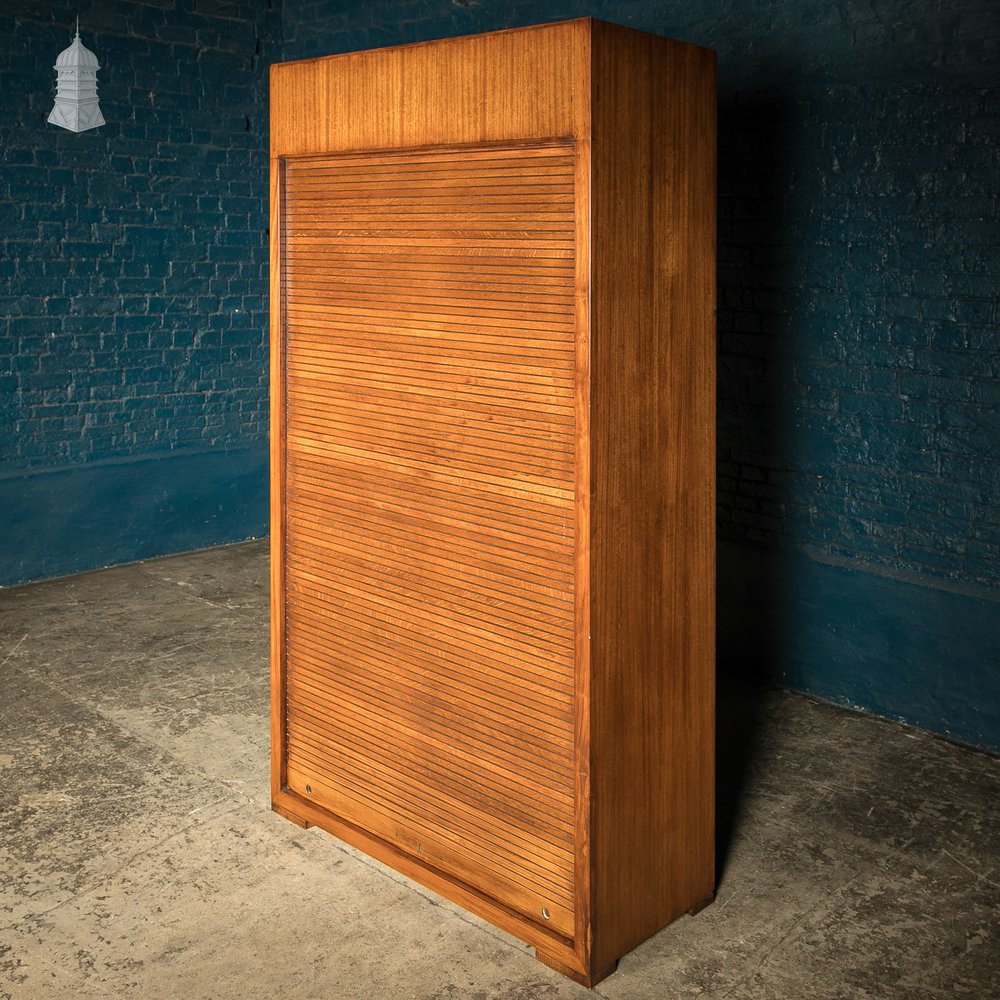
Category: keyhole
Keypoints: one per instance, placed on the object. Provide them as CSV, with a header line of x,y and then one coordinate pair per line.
x,y
545,913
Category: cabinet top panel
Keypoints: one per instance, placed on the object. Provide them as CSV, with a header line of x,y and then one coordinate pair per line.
x,y
526,83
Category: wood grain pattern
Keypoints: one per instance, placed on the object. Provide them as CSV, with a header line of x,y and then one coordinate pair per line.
x,y
653,500
407,683
520,84
493,458
277,473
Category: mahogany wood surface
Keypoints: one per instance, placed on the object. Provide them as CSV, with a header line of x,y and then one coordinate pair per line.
x,y
492,461
653,486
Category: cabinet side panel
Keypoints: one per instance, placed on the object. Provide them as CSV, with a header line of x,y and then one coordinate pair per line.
x,y
653,490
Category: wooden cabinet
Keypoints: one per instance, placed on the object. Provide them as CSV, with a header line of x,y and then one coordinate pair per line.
x,y
493,472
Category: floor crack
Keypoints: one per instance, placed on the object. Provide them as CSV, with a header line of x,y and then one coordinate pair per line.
x,y
17,646
105,879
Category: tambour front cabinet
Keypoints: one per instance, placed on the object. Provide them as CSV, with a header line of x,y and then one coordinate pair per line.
x,y
492,462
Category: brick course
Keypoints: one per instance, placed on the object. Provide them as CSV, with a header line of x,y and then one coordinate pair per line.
x,y
859,251
859,259
134,257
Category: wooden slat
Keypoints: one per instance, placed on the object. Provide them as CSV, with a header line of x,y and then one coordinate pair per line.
x,y
471,548
320,293
430,476
465,408
490,580
550,514
515,436
523,536
319,286
521,457
460,642
481,317
528,352
481,163
544,273
425,695
554,491
478,506
386,645
543,657
466,375
350,712
530,349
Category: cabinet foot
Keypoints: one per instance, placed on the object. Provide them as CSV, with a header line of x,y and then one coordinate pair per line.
x,y
579,977
701,904
290,816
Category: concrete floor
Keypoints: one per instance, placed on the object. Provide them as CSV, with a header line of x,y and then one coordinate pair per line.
x,y
139,857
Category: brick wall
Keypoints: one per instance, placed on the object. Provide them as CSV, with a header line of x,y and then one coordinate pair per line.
x,y
859,281
859,253
133,313
859,349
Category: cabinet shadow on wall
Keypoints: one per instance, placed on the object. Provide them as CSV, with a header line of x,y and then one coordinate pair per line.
x,y
754,419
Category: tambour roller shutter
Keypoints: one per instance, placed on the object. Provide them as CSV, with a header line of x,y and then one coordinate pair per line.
x,y
428,311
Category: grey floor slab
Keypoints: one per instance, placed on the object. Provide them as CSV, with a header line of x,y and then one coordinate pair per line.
x,y
139,858
79,795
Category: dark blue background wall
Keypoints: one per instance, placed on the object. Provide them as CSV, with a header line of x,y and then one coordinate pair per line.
x,y
133,390
859,251
859,350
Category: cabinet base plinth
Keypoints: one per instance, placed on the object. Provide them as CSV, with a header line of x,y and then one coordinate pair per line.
x,y
579,977
290,816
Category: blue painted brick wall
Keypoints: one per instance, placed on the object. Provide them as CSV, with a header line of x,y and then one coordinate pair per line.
x,y
859,349
859,259
134,262
859,252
